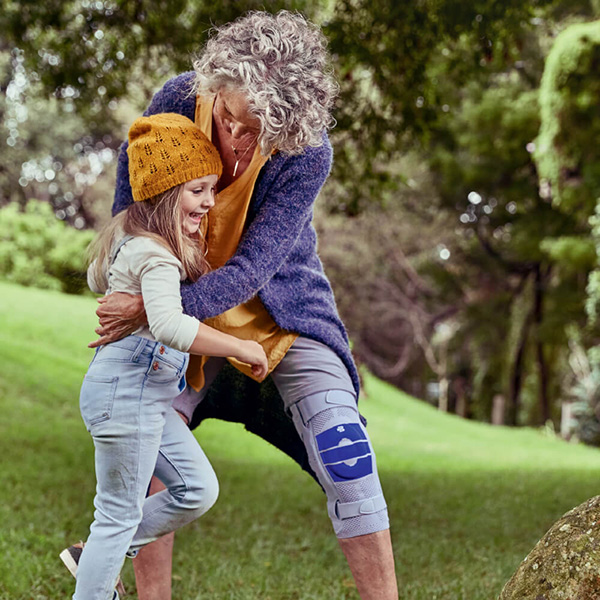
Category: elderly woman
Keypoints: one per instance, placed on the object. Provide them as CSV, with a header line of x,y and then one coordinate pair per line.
x,y
263,92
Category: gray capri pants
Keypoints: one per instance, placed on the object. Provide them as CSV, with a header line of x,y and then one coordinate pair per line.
x,y
319,396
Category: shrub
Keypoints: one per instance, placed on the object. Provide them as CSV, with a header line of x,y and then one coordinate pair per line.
x,y
583,389
38,250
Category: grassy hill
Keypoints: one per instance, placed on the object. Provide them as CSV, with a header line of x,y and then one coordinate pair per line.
x,y
467,500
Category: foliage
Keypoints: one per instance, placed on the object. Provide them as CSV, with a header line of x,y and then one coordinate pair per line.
x,y
584,392
593,287
37,249
90,55
50,153
567,152
91,52
395,62
75,73
516,248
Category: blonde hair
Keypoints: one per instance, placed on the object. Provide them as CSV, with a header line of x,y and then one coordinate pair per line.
x,y
156,218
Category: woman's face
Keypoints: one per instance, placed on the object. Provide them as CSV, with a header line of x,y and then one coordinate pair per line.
x,y
197,198
231,109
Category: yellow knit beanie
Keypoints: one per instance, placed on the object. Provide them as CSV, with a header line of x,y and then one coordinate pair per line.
x,y
166,150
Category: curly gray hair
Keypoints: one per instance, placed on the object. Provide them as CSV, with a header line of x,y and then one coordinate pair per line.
x,y
280,61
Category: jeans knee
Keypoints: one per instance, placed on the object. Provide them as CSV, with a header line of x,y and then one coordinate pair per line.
x,y
200,494
209,492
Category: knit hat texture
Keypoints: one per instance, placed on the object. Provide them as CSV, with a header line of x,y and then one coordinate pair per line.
x,y
166,150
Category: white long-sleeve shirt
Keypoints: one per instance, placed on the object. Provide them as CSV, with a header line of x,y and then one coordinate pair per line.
x,y
145,267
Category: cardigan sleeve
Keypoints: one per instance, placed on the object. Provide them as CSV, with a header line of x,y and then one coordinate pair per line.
x,y
175,96
271,236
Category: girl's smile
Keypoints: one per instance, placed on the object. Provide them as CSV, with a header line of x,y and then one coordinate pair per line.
x,y
197,198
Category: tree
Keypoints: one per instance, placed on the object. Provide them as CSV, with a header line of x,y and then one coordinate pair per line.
x,y
486,173
569,166
74,73
518,265
51,155
395,60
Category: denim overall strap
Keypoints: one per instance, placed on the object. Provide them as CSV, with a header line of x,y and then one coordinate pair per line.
x,y
116,249
113,256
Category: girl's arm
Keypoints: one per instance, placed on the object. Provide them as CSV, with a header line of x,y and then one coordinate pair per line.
x,y
211,342
270,238
159,279
158,272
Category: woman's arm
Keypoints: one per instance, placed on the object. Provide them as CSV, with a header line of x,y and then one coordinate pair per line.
x,y
270,238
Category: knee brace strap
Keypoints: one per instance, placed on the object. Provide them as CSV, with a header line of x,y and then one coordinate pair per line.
x,y
346,510
311,406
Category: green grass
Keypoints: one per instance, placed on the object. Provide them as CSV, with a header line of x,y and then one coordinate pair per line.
x,y
467,501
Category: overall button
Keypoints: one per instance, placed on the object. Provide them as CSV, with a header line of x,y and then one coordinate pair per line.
x,y
155,366
161,350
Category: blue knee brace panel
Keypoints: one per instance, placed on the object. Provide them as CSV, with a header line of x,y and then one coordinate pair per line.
x,y
340,453
345,452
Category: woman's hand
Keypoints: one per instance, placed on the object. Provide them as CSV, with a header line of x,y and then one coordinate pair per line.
x,y
120,314
252,353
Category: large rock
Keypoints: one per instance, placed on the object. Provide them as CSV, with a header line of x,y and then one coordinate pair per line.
x,y
565,564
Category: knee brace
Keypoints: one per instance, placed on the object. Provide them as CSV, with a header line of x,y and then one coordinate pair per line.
x,y
341,455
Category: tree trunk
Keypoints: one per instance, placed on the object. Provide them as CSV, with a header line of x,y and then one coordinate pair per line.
x,y
498,410
538,315
443,397
516,379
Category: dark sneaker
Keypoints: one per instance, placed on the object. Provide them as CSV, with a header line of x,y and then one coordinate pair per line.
x,y
71,555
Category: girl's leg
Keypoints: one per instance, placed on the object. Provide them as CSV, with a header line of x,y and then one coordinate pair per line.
x,y
126,444
124,399
153,563
191,484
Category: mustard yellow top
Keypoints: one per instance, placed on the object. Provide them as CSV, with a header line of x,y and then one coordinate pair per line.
x,y
222,229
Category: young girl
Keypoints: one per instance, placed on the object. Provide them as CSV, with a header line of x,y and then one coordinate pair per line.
x,y
126,394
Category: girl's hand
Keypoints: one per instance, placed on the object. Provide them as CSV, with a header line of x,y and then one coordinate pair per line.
x,y
252,353
120,314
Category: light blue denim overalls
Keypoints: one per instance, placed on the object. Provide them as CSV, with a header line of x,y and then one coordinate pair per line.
x,y
125,403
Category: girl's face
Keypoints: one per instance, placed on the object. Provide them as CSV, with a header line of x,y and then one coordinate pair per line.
x,y
197,198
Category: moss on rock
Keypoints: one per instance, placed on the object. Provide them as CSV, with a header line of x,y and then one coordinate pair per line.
x,y
565,564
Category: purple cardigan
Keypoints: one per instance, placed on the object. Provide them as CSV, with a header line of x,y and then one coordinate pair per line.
x,y
277,256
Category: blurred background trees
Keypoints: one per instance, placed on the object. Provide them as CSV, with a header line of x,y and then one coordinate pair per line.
x,y
460,225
